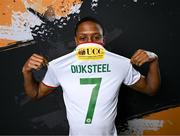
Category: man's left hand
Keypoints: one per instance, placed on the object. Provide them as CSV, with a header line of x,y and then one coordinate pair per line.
x,y
141,56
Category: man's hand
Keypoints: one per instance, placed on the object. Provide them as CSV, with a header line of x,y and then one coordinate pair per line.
x,y
33,88
34,62
141,56
147,84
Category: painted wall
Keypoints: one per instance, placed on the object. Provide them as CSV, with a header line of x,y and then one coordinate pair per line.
x,y
46,27
163,122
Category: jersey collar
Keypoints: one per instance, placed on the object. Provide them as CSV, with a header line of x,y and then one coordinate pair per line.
x,y
90,45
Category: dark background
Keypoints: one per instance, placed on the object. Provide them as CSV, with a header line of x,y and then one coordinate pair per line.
x,y
147,24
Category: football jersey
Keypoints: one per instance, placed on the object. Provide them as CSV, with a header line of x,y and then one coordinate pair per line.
x,y
90,78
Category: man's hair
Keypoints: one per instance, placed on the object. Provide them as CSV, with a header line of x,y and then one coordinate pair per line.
x,y
91,19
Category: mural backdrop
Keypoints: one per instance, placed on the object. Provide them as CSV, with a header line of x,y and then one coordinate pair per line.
x,y
47,27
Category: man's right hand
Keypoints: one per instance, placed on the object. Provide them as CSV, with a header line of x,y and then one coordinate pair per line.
x,y
34,62
33,88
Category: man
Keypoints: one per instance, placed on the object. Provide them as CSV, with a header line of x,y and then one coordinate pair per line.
x,y
90,77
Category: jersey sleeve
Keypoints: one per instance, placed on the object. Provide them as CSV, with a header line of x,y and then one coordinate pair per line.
x,y
132,76
50,78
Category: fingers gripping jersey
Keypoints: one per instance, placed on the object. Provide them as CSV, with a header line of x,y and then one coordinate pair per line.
x,y
90,77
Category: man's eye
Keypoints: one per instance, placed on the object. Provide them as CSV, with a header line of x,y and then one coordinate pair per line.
x,y
82,38
97,37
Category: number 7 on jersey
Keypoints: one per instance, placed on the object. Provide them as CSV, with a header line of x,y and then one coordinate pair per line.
x,y
94,95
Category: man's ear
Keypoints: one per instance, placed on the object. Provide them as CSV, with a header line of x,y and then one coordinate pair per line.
x,y
75,38
104,40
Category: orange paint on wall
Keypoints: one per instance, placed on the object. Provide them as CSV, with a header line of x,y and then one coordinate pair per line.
x,y
171,120
6,8
5,42
60,7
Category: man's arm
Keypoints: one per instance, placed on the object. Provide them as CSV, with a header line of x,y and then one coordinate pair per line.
x,y
33,88
152,81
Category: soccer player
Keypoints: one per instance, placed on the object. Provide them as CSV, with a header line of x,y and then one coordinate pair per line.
x,y
90,77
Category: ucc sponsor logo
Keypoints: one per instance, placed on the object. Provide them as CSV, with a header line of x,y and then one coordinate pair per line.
x,y
90,53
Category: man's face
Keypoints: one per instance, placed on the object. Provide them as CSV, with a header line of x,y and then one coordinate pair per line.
x,y
89,32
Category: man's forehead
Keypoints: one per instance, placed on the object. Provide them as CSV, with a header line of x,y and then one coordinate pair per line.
x,y
89,27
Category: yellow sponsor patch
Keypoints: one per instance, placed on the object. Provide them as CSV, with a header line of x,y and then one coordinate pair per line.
x,y
90,53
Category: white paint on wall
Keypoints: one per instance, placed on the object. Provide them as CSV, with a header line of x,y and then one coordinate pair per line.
x,y
134,0
20,28
22,22
94,4
138,126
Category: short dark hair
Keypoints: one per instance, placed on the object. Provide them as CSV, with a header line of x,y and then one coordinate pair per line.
x,y
91,19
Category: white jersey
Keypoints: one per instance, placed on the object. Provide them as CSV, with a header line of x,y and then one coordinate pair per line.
x,y
90,77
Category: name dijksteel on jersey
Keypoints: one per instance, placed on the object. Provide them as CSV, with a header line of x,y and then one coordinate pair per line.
x,y
95,68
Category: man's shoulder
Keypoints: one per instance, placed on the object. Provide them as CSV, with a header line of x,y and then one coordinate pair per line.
x,y
117,57
62,58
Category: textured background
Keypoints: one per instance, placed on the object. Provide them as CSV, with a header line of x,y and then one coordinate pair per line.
x,y
130,24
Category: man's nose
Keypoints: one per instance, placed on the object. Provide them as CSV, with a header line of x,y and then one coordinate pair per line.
x,y
90,39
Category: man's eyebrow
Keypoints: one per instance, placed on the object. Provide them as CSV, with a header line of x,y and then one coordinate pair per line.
x,y
98,33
